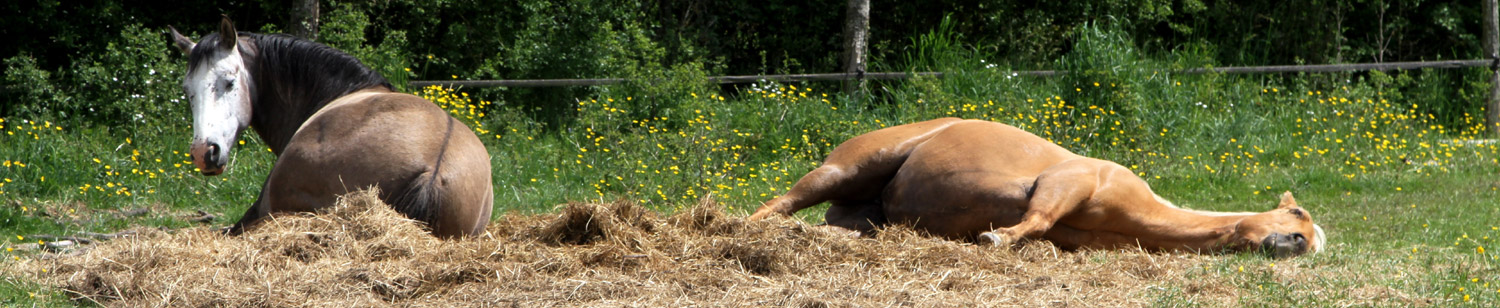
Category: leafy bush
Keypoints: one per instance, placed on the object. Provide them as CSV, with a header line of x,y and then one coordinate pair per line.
x,y
134,81
345,27
33,89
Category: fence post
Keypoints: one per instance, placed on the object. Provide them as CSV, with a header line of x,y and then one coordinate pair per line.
x,y
856,33
1492,52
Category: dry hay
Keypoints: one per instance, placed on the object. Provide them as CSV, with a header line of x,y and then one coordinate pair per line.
x,y
360,253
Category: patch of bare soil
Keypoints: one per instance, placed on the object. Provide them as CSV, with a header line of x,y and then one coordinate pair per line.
x,y
360,253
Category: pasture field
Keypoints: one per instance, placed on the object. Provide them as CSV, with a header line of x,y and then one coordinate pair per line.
x,y
1405,185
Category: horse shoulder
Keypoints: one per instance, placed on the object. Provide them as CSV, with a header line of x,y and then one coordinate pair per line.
x,y
1116,197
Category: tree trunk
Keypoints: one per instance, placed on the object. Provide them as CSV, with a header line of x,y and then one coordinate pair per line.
x,y
305,19
856,35
1492,51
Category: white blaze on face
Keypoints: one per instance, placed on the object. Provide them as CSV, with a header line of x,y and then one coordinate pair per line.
x,y
217,89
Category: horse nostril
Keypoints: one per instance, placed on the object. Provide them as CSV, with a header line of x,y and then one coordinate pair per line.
x,y
212,155
1299,237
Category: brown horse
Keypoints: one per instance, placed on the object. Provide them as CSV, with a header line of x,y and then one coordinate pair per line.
x,y
335,126
994,183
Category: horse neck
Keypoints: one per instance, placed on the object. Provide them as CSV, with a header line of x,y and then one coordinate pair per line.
x,y
285,93
1177,228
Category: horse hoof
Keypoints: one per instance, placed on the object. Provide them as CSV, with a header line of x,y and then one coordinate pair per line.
x,y
994,239
840,231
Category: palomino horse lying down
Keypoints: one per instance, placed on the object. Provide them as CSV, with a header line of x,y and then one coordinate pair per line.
x,y
335,126
994,183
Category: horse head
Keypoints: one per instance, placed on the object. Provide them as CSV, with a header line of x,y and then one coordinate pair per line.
x,y
1285,231
218,87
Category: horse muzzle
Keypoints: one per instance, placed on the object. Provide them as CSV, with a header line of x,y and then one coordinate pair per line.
x,y
210,158
1281,245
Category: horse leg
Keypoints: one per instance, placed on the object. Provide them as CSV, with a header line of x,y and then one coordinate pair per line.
x,y
817,186
1068,237
858,169
854,218
252,215
1057,192
286,190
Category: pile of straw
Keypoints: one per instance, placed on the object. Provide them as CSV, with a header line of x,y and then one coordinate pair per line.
x,y
360,253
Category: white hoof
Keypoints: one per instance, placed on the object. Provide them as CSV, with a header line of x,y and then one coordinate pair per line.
x,y
994,239
839,231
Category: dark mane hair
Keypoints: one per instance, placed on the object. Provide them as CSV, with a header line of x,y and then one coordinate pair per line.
x,y
309,63
291,78
292,57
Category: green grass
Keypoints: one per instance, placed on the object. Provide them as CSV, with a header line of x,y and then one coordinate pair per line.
x,y
1382,162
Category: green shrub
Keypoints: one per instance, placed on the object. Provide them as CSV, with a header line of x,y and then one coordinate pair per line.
x,y
34,94
132,83
345,27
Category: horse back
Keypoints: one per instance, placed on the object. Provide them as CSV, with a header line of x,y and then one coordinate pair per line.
x,y
983,146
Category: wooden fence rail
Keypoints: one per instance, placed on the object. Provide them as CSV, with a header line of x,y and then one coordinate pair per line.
x,y
521,83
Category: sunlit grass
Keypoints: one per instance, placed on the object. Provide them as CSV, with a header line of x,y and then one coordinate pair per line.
x,y
1399,188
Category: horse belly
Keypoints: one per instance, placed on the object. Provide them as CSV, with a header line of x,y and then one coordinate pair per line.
x,y
957,205
972,177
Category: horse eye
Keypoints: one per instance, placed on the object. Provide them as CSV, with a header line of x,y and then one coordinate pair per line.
x,y
1296,212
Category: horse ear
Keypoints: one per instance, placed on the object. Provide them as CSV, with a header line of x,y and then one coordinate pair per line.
x,y
1287,200
227,35
183,43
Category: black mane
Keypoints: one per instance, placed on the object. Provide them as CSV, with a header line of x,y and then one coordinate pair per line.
x,y
291,79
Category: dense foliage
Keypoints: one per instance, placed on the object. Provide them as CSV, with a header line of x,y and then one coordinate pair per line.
x,y
107,61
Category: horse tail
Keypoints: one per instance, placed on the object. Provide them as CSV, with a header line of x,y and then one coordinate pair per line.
x,y
422,200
